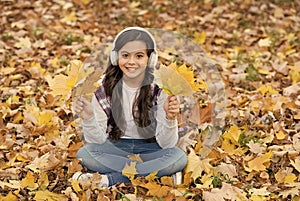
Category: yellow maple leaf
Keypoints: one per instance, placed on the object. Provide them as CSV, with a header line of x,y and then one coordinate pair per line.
x,y
267,90
197,166
155,189
233,134
28,182
130,170
49,196
167,180
179,81
285,176
151,176
260,163
200,37
43,181
88,85
59,86
280,135
46,118
295,72
70,18
63,84
9,197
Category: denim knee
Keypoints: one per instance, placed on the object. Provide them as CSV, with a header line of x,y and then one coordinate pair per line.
x,y
181,158
82,152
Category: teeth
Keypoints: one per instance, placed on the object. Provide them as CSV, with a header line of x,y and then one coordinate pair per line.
x,y
131,69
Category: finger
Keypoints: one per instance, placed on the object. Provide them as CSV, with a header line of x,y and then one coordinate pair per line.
x,y
84,101
78,109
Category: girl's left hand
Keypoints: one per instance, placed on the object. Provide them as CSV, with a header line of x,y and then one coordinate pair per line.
x,y
171,107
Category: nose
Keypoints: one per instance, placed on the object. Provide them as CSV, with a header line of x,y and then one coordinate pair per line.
x,y
131,60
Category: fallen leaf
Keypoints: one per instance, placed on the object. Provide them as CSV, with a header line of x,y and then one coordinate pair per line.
x,y
259,163
197,166
29,182
49,196
130,170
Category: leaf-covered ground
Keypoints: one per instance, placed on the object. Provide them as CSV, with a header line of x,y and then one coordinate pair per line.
x,y
255,43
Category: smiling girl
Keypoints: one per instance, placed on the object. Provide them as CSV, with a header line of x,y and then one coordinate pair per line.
x,y
130,115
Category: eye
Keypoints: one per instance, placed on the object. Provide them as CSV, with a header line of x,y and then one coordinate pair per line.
x,y
139,56
124,55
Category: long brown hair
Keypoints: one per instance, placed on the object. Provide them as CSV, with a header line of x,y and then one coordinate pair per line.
x,y
142,110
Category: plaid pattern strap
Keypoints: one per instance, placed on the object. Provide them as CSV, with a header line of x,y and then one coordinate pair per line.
x,y
103,100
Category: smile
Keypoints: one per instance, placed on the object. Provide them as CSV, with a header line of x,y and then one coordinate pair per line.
x,y
131,69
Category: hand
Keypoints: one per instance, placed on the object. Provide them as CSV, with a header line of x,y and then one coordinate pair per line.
x,y
171,107
84,108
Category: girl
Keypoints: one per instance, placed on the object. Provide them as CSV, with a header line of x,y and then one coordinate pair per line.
x,y
130,115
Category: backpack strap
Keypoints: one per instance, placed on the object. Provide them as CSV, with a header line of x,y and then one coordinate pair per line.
x,y
103,100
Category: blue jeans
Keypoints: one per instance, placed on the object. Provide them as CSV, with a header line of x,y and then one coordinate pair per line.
x,y
110,158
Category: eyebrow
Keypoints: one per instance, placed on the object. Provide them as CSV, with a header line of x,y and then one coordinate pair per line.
x,y
124,51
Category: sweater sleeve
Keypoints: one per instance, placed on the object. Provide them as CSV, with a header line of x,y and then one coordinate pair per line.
x,y
94,129
166,130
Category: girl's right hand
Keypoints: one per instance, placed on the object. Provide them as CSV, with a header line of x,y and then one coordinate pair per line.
x,y
83,108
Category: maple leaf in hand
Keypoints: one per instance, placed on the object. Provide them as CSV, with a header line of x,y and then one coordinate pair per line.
x,y
87,86
179,81
63,84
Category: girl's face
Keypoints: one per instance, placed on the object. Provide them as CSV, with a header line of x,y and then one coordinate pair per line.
x,y
133,61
